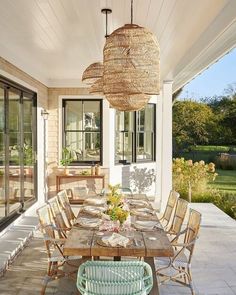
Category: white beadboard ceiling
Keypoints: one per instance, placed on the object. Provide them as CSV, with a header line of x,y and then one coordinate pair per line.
x,y
55,40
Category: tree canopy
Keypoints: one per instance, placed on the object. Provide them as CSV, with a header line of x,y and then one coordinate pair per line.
x,y
212,121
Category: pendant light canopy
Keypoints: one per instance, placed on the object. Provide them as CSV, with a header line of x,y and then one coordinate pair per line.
x,y
93,73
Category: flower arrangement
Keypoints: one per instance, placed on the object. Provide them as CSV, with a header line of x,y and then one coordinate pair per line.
x,y
115,202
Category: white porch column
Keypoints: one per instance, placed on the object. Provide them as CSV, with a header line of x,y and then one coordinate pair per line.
x,y
165,169
108,135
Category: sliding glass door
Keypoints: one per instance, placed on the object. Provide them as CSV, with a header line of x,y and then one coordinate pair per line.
x,y
17,149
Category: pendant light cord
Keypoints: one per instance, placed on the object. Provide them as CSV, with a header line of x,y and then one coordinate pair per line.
x,y
131,16
106,26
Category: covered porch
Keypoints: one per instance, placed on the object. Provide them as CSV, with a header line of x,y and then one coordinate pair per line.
x,y
43,53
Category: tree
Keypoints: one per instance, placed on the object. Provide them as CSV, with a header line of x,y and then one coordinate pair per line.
x,y
192,123
224,108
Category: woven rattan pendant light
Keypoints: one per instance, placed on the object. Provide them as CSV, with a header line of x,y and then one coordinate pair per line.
x,y
131,67
93,73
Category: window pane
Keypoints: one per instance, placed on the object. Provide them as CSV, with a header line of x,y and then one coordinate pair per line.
x,y
149,118
74,115
2,156
74,140
124,121
15,171
123,144
91,115
92,146
85,146
144,146
82,129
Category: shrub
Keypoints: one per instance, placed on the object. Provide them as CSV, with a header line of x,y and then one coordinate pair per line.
x,y
225,201
226,162
191,178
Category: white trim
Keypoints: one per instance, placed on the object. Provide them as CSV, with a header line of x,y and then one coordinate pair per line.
x,y
17,80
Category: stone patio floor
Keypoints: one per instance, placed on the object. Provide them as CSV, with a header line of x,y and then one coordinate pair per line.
x,y
213,265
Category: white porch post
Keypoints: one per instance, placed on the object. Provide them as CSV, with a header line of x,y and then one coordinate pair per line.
x,y
165,169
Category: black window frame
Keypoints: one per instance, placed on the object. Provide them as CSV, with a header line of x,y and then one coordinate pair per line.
x,y
23,92
83,163
134,140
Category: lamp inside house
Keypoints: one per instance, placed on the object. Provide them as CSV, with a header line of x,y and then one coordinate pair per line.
x,y
131,67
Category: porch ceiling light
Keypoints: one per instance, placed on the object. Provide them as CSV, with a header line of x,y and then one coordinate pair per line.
x,y
97,87
131,66
93,73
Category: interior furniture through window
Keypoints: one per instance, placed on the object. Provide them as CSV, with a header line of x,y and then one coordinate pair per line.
x,y
82,130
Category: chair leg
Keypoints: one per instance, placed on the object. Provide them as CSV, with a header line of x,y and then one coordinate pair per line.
x,y
46,279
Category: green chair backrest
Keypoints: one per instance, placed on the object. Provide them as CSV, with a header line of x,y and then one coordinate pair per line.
x,y
114,278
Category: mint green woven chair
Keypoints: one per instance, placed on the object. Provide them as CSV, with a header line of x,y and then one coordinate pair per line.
x,y
114,278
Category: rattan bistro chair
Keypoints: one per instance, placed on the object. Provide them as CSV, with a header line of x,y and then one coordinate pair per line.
x,y
58,216
178,218
178,268
65,205
114,278
54,247
170,206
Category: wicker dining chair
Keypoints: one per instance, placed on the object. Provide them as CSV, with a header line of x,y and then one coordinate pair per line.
x,y
54,248
114,277
170,206
178,268
179,214
58,216
65,205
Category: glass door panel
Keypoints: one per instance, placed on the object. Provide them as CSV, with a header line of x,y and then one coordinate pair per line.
x,y
2,155
16,169
28,152
18,132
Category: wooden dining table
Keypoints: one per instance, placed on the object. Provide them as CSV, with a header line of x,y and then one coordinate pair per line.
x,y
148,244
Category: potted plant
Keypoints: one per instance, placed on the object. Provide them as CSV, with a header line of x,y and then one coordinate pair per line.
x,y
66,159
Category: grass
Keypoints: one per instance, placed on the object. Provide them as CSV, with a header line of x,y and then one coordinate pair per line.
x,y
225,181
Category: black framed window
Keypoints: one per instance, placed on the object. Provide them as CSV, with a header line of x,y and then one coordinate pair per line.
x,y
82,130
135,135
18,147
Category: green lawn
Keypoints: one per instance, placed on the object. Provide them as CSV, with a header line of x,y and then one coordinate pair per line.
x,y
225,181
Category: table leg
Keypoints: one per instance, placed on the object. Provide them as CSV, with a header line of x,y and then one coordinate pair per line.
x,y
155,289
117,258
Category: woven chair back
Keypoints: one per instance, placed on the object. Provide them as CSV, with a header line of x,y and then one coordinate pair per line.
x,y
57,213
179,215
193,227
65,204
45,220
173,197
112,277
46,226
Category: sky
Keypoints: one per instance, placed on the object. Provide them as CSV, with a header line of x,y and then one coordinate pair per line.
x,y
213,80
